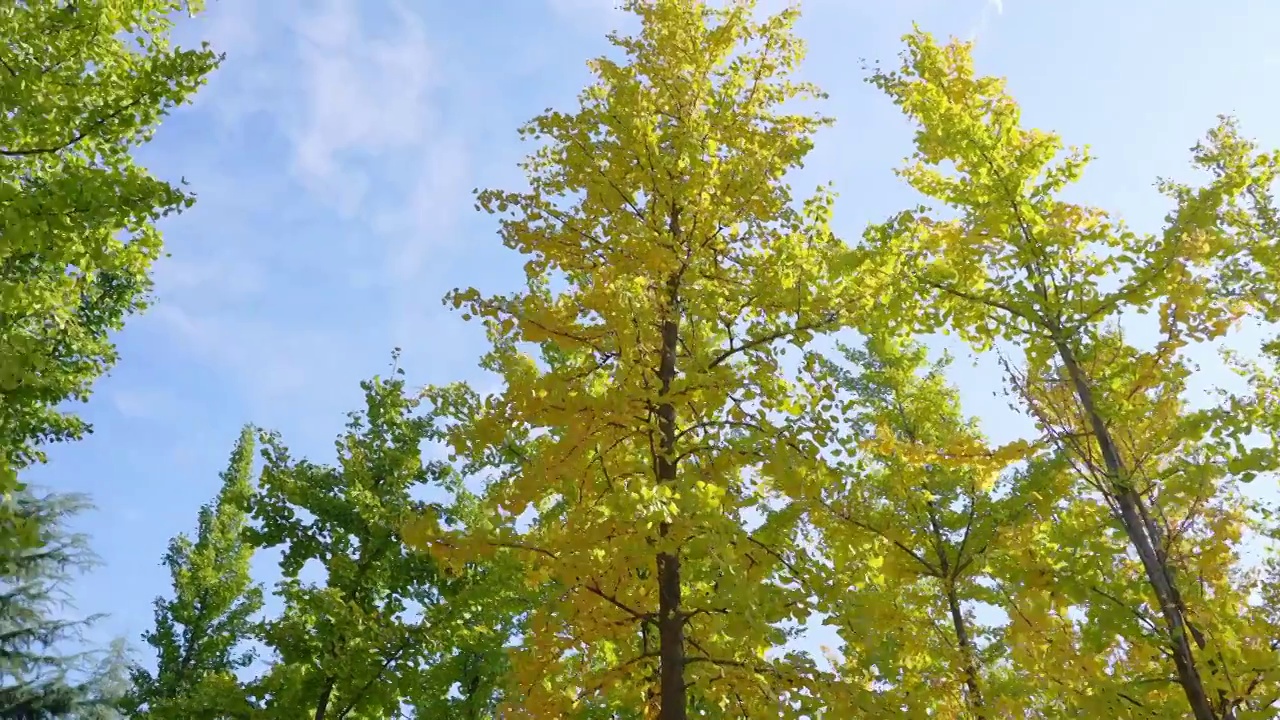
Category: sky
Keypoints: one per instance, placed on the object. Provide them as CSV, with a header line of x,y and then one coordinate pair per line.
x,y
335,152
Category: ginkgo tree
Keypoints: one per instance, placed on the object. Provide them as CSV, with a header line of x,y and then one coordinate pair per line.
x,y
383,627
379,630
82,85
668,264
1007,259
909,530
201,633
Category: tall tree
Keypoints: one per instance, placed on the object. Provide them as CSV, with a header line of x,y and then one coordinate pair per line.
x,y
200,632
39,677
910,534
82,84
1011,260
658,413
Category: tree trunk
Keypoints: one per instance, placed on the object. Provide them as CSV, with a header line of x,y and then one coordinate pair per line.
x,y
973,686
673,700
1145,538
322,705
965,643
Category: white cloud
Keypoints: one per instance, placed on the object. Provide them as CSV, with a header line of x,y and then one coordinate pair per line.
x,y
346,81
365,95
229,275
234,29
428,214
990,9
141,403
271,362
350,87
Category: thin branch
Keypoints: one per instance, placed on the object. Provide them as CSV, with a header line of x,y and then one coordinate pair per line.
x,y
77,137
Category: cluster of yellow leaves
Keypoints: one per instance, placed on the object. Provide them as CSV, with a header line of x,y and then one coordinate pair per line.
x,y
686,265
1143,541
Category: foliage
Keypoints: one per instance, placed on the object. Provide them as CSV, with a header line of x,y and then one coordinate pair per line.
x,y
910,533
199,631
109,685
350,643
39,677
366,626
1144,538
81,86
652,428
686,265
676,474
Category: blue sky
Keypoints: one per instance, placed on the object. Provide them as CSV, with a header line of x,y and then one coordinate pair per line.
x,y
334,156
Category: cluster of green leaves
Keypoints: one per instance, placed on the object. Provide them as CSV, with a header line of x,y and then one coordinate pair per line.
x,y
919,512
366,626
82,84
199,632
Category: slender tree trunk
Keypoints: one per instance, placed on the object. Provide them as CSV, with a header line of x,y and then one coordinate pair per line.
x,y
968,653
673,701
965,643
322,704
1145,537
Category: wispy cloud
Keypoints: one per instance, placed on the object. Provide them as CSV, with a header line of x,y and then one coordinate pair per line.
x,y
367,94
271,359
141,403
332,176
427,214
990,10
220,271
590,15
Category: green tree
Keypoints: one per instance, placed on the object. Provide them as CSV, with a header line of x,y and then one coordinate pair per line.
x,y
382,627
483,614
909,531
200,632
39,677
82,85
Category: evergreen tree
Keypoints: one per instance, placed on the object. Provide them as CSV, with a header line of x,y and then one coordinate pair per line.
x,y
39,677
108,686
